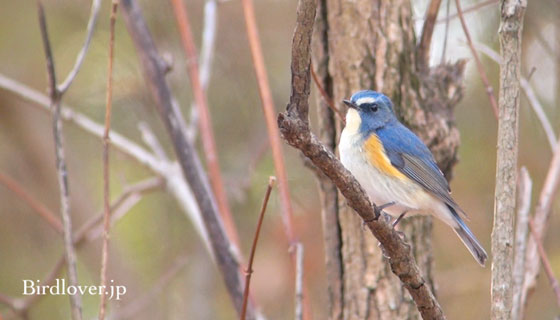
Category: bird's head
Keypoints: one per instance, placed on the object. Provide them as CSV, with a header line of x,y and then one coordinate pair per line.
x,y
369,110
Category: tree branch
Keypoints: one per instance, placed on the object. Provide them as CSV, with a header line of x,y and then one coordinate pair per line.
x,y
95,5
37,206
186,153
294,127
479,66
106,141
55,97
427,32
207,134
511,25
521,231
249,271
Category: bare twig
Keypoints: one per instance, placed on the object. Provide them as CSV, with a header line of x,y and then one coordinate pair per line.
x,y
326,97
294,126
521,231
529,92
95,5
427,32
272,127
249,271
55,97
170,171
106,139
546,263
151,140
185,151
37,206
207,134
511,24
299,282
479,66
539,224
206,58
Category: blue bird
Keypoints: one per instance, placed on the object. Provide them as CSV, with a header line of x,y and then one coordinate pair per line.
x,y
396,169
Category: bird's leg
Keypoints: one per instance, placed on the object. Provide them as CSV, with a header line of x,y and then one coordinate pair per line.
x,y
399,218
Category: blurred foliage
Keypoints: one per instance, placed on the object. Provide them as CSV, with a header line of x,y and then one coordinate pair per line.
x,y
149,239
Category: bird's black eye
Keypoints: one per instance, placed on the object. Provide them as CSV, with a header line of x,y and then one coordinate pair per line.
x,y
374,107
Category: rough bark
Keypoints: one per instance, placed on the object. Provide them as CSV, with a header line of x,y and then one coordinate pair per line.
x,y
511,25
327,190
371,45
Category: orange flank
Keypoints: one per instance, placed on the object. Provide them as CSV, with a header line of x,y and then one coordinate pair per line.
x,y
377,157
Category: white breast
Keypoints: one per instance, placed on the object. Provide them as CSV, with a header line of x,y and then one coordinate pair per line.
x,y
380,187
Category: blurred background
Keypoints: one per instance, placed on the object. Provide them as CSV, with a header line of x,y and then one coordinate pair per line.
x,y
155,238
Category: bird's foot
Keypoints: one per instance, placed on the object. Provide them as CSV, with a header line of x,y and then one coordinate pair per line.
x,y
377,210
399,218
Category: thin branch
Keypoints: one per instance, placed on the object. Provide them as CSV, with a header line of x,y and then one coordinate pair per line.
x,y
186,153
176,184
539,224
37,206
95,5
106,140
269,110
151,140
294,126
521,231
326,97
427,32
206,57
479,66
249,271
55,97
529,92
299,282
546,263
207,133
511,25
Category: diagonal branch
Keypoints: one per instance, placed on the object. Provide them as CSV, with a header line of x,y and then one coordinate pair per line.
x,y
479,66
55,97
207,133
37,206
186,153
294,127
95,5
427,32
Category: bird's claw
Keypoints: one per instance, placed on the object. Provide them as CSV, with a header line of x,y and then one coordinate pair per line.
x,y
378,210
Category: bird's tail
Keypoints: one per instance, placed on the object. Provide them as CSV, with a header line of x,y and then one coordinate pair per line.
x,y
469,239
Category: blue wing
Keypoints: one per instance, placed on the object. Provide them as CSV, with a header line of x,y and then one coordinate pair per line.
x,y
410,156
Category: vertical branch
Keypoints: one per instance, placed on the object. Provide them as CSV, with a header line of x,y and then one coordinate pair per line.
x,y
427,32
55,96
521,231
269,113
479,66
299,282
249,270
208,140
511,25
272,127
106,142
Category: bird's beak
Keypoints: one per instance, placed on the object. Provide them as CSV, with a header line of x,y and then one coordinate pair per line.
x,y
350,104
